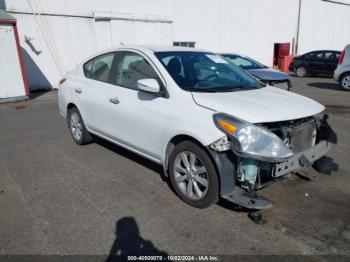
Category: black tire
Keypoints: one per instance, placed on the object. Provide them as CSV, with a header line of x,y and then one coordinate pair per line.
x,y
301,71
85,137
343,84
212,194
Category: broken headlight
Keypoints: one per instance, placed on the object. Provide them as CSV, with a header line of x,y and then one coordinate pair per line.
x,y
252,141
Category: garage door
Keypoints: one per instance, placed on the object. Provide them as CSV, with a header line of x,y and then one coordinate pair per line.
x,y
11,80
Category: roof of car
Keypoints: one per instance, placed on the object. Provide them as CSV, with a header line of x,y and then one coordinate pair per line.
x,y
162,48
229,53
325,50
146,49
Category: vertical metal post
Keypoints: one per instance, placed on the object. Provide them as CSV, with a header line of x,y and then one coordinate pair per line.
x,y
298,29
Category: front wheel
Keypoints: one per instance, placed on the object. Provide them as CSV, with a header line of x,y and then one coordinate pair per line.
x,y
344,82
193,175
301,71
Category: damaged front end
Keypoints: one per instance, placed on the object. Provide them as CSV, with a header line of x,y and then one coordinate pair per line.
x,y
260,154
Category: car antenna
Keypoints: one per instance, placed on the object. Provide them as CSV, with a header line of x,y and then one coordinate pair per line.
x,y
121,43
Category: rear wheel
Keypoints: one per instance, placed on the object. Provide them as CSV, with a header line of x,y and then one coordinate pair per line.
x,y
77,127
193,175
344,82
301,71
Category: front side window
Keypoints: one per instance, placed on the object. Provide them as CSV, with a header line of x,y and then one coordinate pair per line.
x,y
244,62
99,68
131,68
200,71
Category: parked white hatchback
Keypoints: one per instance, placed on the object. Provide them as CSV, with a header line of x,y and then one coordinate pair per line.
x,y
216,130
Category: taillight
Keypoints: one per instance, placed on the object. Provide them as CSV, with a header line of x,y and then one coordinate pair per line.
x,y
62,81
341,57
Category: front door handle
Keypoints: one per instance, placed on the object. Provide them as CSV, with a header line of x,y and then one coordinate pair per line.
x,y
114,100
78,91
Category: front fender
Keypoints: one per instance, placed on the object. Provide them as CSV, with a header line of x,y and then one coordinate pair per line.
x,y
226,167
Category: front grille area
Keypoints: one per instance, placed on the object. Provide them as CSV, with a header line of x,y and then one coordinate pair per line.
x,y
298,134
303,136
285,83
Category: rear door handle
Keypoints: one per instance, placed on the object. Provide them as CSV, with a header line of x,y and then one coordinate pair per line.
x,y
114,100
78,91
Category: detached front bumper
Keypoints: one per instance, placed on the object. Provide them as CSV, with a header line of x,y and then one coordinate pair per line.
x,y
252,200
241,177
302,159
227,167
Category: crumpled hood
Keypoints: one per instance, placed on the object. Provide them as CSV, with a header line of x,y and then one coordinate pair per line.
x,y
268,104
268,74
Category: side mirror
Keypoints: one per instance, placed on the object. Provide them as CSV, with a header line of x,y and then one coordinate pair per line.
x,y
149,85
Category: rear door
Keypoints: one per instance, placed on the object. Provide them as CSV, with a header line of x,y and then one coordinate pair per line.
x,y
315,61
331,61
92,93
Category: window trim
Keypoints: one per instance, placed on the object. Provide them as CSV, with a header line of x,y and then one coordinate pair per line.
x,y
163,87
96,57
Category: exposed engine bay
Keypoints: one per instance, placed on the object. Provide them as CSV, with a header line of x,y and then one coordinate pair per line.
x,y
260,154
302,136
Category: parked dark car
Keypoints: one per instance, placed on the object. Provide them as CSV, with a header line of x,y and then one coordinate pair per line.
x,y
265,74
322,62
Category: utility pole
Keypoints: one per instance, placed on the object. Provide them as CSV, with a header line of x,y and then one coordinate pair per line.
x,y
298,29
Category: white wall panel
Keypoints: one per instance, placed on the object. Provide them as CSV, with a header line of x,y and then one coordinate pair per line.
x,y
40,66
249,27
324,25
11,80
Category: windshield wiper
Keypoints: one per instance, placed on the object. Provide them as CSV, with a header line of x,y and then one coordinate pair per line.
x,y
221,89
235,88
202,90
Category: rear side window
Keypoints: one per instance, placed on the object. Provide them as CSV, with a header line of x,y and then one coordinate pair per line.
x,y
314,55
99,68
131,68
331,55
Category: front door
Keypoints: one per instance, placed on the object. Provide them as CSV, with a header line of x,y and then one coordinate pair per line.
x,y
134,117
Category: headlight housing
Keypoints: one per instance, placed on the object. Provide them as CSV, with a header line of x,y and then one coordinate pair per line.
x,y
252,141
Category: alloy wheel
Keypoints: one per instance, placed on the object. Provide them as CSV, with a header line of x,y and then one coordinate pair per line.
x,y
76,126
191,175
346,82
301,71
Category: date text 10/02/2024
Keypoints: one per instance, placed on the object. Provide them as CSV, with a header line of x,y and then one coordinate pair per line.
x,y
173,258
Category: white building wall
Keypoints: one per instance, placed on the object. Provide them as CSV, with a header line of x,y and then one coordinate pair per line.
x,y
324,25
249,27
12,85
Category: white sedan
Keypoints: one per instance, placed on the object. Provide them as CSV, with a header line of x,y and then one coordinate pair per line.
x,y
216,130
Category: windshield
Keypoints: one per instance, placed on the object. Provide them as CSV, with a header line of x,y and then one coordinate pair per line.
x,y
200,71
244,62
